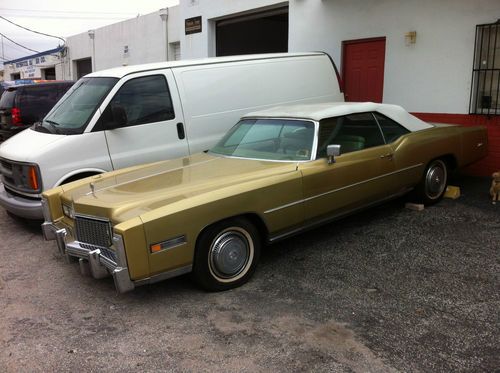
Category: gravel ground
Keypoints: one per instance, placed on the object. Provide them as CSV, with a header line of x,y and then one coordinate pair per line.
x,y
386,290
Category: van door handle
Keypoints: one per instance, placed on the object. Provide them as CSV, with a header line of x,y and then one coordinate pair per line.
x,y
180,131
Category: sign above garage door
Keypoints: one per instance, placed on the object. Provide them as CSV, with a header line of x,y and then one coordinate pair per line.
x,y
192,25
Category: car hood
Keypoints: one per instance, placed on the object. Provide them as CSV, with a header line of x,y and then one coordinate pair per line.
x,y
27,145
125,195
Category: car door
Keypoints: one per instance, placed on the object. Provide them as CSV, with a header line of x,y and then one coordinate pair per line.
x,y
143,121
359,175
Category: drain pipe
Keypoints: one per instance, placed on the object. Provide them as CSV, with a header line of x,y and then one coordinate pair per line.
x,y
164,18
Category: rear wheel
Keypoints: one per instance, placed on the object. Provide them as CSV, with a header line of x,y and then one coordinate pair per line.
x,y
226,255
433,184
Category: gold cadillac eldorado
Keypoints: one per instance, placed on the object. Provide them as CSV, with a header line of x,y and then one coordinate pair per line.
x,y
274,174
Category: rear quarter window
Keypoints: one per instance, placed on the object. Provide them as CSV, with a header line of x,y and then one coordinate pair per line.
x,y
391,129
7,100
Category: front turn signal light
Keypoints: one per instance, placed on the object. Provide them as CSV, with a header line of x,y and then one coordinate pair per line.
x,y
32,178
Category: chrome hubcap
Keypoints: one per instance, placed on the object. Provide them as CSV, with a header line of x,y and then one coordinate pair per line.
x,y
229,254
435,180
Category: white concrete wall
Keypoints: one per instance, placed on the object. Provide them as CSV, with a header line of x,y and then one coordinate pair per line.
x,y
145,37
433,75
203,44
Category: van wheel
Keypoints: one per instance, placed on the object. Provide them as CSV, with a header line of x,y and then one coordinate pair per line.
x,y
226,255
432,187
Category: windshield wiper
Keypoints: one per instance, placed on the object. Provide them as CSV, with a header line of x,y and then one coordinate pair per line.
x,y
52,122
52,126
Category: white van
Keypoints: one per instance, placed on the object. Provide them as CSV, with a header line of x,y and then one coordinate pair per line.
x,y
137,114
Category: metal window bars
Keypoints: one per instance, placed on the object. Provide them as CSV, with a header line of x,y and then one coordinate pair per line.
x,y
484,98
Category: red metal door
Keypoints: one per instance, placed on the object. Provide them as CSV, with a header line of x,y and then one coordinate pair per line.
x,y
363,69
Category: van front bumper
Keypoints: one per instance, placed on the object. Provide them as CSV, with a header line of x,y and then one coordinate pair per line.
x,y
19,206
94,261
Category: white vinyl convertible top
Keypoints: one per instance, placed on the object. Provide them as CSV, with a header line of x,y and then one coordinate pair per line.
x,y
321,111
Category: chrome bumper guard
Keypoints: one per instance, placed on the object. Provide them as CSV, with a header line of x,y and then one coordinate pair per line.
x,y
93,261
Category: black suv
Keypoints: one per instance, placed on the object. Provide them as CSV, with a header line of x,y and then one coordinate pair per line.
x,y
23,105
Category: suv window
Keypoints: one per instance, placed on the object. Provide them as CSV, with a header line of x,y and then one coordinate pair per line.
x,y
143,100
7,100
36,101
351,132
391,129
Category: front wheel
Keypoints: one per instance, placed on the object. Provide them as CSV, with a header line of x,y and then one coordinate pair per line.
x,y
432,187
226,255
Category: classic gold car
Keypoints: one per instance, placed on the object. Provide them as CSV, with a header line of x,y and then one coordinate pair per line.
x,y
274,174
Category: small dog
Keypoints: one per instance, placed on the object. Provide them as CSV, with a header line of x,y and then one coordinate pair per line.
x,y
495,187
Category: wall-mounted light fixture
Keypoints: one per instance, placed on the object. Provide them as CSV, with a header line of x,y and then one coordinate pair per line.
x,y
410,38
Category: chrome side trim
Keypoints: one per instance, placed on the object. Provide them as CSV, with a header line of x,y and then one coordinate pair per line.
x,y
339,189
165,275
333,217
171,243
284,206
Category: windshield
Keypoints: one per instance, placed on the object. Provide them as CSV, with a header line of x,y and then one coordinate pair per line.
x,y
75,109
268,139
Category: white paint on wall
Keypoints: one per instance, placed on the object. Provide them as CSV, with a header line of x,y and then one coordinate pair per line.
x,y
432,75
134,41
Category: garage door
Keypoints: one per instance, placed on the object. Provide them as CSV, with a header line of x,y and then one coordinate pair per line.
x,y
263,32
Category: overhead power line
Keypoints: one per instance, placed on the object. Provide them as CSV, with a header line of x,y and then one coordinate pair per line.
x,y
12,41
65,11
36,32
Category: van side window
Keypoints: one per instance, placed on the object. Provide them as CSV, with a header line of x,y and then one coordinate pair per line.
x,y
139,101
352,132
391,129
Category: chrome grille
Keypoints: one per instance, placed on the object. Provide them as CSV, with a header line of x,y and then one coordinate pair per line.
x,y
110,254
93,231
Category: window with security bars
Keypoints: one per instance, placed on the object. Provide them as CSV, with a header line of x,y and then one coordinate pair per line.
x,y
485,98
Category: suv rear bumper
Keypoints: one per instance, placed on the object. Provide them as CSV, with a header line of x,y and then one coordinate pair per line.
x,y
19,206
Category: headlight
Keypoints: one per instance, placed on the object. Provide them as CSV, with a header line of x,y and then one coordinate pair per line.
x,y
68,211
25,177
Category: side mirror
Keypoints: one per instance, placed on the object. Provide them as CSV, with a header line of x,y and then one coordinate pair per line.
x,y
332,151
119,117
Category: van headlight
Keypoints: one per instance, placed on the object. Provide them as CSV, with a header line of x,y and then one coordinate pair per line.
x,y
26,177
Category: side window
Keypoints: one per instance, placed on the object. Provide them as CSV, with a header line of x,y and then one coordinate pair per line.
x,y
139,101
391,129
352,132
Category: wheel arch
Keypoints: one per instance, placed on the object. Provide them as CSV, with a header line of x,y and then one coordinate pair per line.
x,y
450,160
252,217
78,174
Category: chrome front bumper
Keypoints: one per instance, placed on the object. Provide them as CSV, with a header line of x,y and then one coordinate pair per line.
x,y
93,261
19,206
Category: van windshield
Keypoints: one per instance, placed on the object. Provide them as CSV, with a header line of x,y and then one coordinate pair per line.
x,y
75,109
